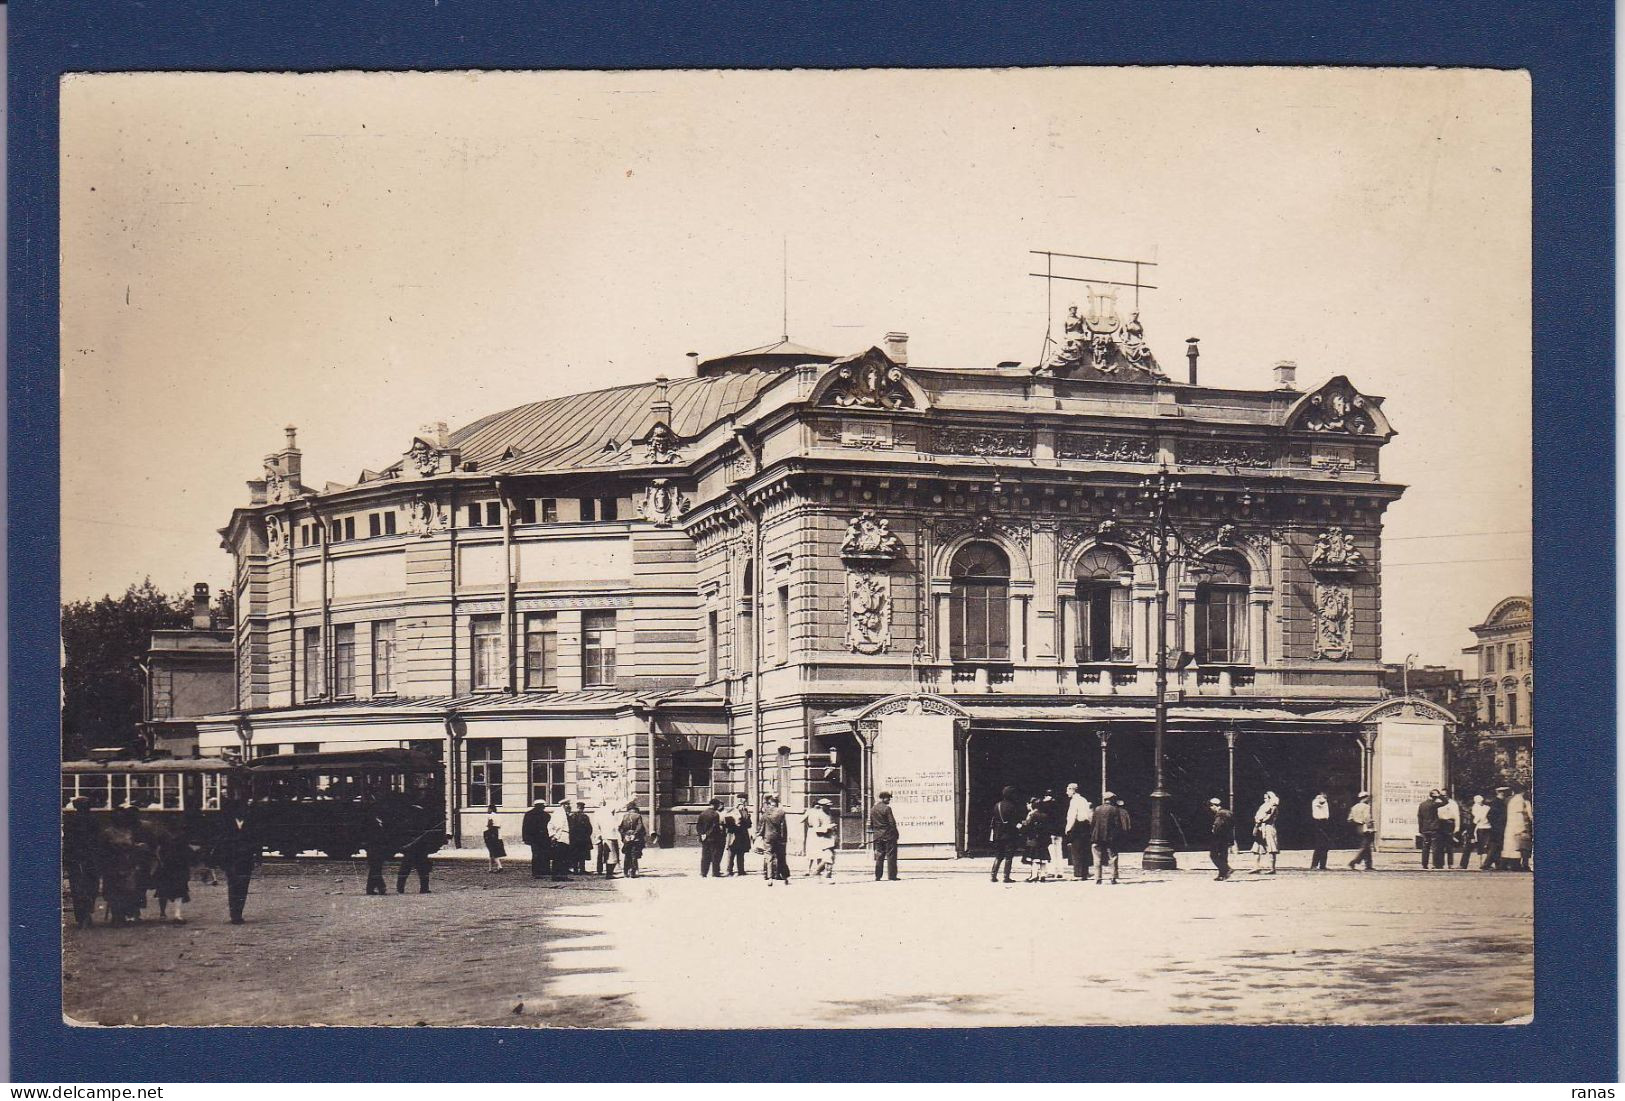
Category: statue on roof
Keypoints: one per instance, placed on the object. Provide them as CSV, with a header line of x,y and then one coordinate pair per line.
x,y
1100,345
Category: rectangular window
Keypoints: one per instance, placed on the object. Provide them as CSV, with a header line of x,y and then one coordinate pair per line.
x,y
542,651
268,750
712,644
781,627
389,523
344,659
1489,658
598,649
1221,626
170,791
474,516
144,789
527,510
383,657
484,772
487,651
493,514
375,524
550,510
690,777
349,527
312,658
1489,710
589,509
547,770
608,508
1103,624
1512,709
336,532
979,622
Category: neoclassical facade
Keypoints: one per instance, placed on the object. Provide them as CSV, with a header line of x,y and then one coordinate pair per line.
x,y
818,576
1504,691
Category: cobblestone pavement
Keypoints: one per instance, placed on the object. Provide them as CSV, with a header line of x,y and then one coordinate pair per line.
x,y
942,947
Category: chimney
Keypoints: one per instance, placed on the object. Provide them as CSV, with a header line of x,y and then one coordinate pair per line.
x,y
1192,354
692,364
289,458
201,619
1286,375
660,407
897,348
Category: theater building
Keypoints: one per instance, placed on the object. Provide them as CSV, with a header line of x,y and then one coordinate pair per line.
x,y
819,576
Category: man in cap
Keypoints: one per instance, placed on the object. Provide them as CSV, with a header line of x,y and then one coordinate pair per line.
x,y
883,826
533,832
708,826
1365,829
1427,828
1320,816
1108,831
819,831
1076,831
773,830
1224,836
1498,829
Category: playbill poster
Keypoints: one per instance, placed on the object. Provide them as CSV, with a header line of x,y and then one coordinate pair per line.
x,y
464,476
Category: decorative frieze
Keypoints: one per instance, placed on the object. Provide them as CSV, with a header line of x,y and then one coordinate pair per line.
x,y
1105,449
984,524
1225,453
983,441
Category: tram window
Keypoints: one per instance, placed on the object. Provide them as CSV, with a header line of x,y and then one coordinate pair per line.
x,y
118,789
94,788
69,789
169,791
211,791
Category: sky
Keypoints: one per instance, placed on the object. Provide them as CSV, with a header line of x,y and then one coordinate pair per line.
x,y
359,254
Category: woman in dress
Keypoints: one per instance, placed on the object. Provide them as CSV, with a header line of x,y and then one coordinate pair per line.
x,y
1518,841
1035,834
634,834
495,850
1266,841
172,874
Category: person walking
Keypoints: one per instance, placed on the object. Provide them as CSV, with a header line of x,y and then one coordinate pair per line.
x,y
375,842
172,875
1107,830
774,832
1320,818
1518,839
81,844
236,851
1076,832
634,833
1004,830
1480,812
1035,833
883,826
1224,836
495,850
712,836
738,825
1365,830
1266,837
533,832
426,838
818,830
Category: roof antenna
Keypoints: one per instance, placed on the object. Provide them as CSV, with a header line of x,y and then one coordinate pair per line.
x,y
785,317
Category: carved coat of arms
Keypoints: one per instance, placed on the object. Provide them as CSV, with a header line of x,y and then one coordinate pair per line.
x,y
869,536
868,604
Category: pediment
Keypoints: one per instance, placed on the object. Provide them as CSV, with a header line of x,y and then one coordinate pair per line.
x,y
869,380
1338,409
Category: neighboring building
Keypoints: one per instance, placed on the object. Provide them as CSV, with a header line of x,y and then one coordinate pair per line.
x,y
810,575
190,674
1430,682
1504,692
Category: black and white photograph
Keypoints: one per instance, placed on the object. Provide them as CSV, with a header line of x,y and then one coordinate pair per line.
x,y
797,549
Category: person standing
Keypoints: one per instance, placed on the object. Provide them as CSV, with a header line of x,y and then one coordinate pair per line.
x,y
1035,833
1107,830
172,875
1449,827
634,833
1365,829
236,851
580,838
375,841
533,832
1004,830
883,826
1266,836
495,850
1224,836
606,828
712,835
1519,836
558,842
1480,811
1427,825
1076,832
426,837
81,844
1498,828
1320,817
126,864
774,832
819,840
738,825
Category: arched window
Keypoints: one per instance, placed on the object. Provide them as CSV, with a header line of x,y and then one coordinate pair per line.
x,y
745,622
1104,626
1221,612
979,609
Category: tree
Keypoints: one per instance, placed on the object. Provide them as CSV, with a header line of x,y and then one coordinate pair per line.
x,y
102,682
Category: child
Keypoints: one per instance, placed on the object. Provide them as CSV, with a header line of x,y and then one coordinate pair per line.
x,y
494,848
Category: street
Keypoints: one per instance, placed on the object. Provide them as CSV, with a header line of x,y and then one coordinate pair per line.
x,y
941,947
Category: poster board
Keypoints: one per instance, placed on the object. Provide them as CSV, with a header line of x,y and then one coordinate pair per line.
x,y
914,760
1410,762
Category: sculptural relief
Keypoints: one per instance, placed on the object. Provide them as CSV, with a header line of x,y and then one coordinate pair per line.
x,y
869,536
868,603
1334,621
662,503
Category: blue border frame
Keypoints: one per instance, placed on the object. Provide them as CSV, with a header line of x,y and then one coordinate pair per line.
x,y
1567,46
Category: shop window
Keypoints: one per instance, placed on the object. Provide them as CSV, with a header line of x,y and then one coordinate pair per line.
x,y
383,657
1104,623
486,646
979,604
485,772
690,777
598,649
344,659
542,651
547,770
1221,613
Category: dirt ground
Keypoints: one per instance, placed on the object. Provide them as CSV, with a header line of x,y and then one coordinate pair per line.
x,y
941,947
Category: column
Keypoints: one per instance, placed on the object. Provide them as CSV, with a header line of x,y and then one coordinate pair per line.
x,y
1230,754
1105,737
1258,653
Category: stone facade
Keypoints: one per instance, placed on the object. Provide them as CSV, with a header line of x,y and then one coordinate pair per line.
x,y
1502,695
